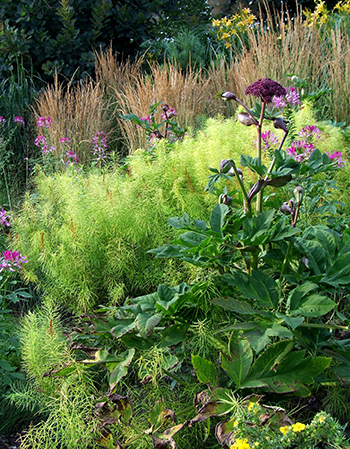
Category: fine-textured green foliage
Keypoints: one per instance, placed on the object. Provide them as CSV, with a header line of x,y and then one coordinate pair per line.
x,y
86,237
65,403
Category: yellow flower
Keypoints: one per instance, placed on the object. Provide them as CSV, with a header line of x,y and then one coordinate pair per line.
x,y
250,406
322,418
298,427
284,429
256,444
241,443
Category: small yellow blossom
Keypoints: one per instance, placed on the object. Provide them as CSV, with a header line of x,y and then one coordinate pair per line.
x,y
298,427
250,406
284,429
241,443
322,418
256,444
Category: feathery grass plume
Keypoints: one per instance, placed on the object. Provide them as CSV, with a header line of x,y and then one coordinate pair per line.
x,y
77,112
191,93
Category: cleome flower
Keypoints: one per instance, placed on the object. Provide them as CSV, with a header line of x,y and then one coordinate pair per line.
x,y
12,260
266,89
4,217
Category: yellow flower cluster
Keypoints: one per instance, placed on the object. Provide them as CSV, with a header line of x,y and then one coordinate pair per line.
x,y
241,443
253,406
297,427
321,15
236,25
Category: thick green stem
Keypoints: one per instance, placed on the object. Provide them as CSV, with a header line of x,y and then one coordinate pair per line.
x,y
259,127
244,192
286,259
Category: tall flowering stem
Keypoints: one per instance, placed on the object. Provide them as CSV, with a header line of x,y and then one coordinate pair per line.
x,y
265,89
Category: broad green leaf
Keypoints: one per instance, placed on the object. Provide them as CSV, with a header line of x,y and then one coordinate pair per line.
x,y
131,341
121,369
292,322
254,164
123,327
146,322
205,370
180,222
238,364
217,218
173,335
192,239
267,360
298,293
258,286
314,305
156,416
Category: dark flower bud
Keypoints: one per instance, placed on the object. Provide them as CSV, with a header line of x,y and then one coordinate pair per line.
x,y
225,199
298,193
279,123
226,166
246,120
165,108
255,189
228,96
280,181
286,209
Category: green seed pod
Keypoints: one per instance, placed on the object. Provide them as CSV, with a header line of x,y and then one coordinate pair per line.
x,y
298,193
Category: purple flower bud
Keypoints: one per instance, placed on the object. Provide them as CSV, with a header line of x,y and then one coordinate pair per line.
x,y
226,166
165,108
246,120
291,202
228,96
280,124
255,189
225,199
286,209
280,181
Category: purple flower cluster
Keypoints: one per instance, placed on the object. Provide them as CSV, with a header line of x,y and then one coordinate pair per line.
x,y
168,112
269,140
41,141
99,146
301,150
12,261
71,158
44,122
336,156
291,97
4,217
310,132
266,89
19,120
